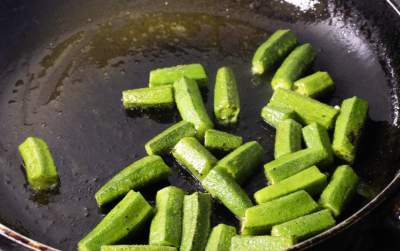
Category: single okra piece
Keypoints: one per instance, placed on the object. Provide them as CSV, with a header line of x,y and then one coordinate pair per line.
x,y
137,248
166,140
261,243
349,125
190,153
226,97
145,98
220,238
310,180
306,226
190,105
308,110
260,219
287,138
243,161
293,163
168,75
118,223
222,141
166,227
314,85
273,51
294,66
316,136
39,165
224,188
340,189
137,175
196,222
273,115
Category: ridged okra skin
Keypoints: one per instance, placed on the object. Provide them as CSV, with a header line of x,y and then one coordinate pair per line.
x,y
287,138
314,85
315,135
146,98
137,248
261,243
221,141
220,238
272,115
168,75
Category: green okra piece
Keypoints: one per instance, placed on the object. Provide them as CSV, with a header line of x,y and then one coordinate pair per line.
x,y
316,136
340,189
196,222
243,161
39,165
137,175
226,97
293,163
118,223
166,226
260,219
220,238
194,156
306,226
168,75
310,180
191,106
223,187
273,115
293,67
349,125
261,243
166,140
137,248
287,138
145,98
222,141
314,85
308,110
273,51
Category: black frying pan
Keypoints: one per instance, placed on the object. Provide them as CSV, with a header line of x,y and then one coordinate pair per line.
x,y
63,66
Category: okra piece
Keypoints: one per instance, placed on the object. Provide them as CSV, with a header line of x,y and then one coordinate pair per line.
x,y
166,226
190,105
221,141
194,156
224,188
118,223
273,115
287,138
293,67
137,175
311,180
260,219
168,75
306,226
243,161
261,243
349,125
137,248
145,98
39,165
308,110
226,97
316,136
196,222
273,51
314,85
340,189
293,163
166,140
220,238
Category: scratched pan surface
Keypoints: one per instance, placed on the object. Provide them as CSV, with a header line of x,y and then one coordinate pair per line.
x,y
64,65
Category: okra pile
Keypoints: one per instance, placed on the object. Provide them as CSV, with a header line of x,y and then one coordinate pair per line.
x,y
310,180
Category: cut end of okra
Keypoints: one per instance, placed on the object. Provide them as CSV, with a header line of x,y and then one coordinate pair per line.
x,y
314,85
148,98
221,141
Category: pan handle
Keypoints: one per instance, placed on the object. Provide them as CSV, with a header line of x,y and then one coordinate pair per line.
x,y
395,4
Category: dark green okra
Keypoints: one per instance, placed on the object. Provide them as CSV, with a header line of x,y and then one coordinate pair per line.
x,y
221,141
137,248
273,115
287,138
141,173
144,98
349,125
314,85
316,136
168,75
294,66
39,165
226,97
166,227
118,223
273,51
220,238
260,243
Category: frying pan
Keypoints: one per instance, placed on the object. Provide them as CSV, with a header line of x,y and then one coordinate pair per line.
x,y
64,64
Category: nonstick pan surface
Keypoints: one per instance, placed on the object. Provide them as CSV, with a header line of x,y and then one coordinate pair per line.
x,y
65,64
